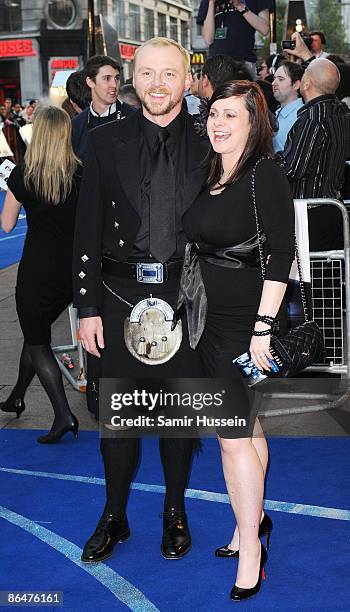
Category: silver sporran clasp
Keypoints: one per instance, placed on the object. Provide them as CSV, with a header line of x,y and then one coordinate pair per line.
x,y
148,334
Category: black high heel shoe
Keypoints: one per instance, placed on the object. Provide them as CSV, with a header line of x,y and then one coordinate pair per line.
x,y
265,529
17,406
54,436
239,593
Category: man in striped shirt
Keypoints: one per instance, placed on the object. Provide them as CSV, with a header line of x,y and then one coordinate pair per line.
x,y
316,150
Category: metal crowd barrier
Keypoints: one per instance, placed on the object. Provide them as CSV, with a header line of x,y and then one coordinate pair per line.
x,y
330,289
79,383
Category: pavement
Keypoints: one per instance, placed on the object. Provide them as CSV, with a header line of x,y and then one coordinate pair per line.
x,y
300,409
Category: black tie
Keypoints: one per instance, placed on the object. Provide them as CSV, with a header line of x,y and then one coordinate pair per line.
x,y
162,208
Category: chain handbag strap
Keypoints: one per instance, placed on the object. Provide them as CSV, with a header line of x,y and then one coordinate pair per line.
x,y
261,250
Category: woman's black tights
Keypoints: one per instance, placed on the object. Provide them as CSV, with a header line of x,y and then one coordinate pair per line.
x,y
40,360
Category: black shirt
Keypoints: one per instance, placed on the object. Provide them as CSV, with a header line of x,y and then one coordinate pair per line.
x,y
228,219
240,36
176,146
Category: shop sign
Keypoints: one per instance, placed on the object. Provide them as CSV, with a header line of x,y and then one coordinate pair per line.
x,y
197,58
19,47
127,52
62,63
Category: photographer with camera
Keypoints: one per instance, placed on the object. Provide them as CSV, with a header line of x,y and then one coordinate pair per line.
x,y
229,26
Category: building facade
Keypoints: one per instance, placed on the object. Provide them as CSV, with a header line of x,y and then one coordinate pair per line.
x,y
199,47
139,20
39,37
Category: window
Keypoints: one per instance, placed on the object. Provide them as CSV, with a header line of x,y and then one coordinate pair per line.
x,y
149,24
10,16
103,7
120,18
62,12
162,24
173,28
198,29
184,34
134,21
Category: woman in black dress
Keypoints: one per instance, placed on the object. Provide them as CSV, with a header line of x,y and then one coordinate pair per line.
x,y
230,309
47,186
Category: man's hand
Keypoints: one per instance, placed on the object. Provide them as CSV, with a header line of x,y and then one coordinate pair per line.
x,y
301,49
90,329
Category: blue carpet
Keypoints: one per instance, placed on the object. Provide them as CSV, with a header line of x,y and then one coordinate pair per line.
x,y
308,565
11,245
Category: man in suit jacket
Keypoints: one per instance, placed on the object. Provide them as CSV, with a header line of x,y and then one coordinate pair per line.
x,y
102,76
141,175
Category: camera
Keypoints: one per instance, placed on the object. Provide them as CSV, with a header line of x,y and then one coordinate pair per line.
x,y
290,44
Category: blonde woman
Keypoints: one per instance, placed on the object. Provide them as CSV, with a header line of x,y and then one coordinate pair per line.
x,y
47,186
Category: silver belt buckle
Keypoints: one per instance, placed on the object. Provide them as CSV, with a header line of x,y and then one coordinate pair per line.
x,y
149,273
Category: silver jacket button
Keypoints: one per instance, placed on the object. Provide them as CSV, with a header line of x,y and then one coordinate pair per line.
x,y
84,258
82,291
121,243
116,225
81,274
113,204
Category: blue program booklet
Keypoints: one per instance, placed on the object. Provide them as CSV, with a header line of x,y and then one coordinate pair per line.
x,y
249,370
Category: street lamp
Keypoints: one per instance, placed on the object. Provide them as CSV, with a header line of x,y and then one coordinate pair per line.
x,y
91,28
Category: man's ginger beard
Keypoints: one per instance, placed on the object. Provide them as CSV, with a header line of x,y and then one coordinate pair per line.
x,y
155,108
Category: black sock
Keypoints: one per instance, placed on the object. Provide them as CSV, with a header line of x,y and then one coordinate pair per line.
x,y
49,374
176,455
26,374
120,458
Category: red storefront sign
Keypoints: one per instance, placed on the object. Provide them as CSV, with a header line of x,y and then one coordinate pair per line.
x,y
62,63
19,47
127,52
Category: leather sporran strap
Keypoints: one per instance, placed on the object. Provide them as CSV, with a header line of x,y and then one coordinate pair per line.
x,y
261,250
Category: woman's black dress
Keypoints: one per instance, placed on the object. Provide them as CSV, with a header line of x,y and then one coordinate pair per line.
x,y
44,281
233,294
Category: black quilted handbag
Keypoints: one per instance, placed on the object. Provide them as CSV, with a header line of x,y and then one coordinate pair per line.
x,y
303,345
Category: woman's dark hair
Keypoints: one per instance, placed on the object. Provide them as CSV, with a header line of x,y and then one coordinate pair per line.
x,y
260,136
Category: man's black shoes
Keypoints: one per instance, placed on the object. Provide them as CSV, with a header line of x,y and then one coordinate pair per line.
x,y
109,531
176,540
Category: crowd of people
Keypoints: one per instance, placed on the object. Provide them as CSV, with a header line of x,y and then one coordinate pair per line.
x,y
13,118
137,195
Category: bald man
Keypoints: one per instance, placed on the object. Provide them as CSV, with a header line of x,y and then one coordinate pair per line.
x,y
316,150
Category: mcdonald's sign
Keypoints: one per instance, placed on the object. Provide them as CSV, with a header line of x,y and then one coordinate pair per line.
x,y
198,58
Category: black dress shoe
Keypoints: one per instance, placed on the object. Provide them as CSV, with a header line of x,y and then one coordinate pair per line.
x,y
109,531
239,593
13,405
57,432
265,529
176,540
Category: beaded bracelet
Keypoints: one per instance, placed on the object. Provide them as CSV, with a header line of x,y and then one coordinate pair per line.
x,y
271,321
266,332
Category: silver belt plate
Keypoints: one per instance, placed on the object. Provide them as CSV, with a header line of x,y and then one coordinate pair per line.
x,y
150,273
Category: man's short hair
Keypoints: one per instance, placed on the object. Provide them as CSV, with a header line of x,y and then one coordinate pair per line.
x,y
320,34
96,62
77,89
160,41
294,71
128,94
220,69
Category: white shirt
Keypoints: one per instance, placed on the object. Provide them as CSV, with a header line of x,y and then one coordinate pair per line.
x,y
112,109
322,54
